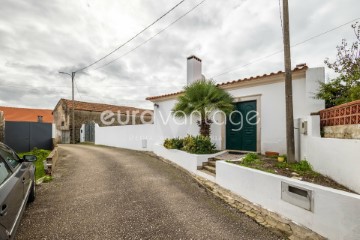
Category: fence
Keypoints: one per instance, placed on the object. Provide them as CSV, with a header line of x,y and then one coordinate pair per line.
x,y
345,114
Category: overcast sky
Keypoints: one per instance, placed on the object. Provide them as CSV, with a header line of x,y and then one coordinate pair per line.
x,y
40,38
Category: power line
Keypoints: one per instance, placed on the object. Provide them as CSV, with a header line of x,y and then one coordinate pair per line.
x,y
150,25
149,39
52,91
77,89
281,20
231,69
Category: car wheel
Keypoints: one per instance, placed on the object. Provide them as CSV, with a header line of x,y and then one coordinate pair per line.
x,y
32,194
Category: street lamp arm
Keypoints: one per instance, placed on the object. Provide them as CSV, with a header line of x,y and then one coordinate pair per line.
x,y
65,73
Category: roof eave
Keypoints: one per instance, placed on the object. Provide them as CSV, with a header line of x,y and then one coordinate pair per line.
x,y
246,82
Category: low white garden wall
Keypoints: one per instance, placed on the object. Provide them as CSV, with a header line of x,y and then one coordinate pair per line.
x,y
136,137
335,214
337,158
188,161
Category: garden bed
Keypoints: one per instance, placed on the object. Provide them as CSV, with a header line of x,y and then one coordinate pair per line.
x,y
301,170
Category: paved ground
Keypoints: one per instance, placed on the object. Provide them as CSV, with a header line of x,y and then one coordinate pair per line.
x,y
107,193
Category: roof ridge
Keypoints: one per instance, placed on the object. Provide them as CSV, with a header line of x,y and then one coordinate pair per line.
x,y
98,107
299,67
41,109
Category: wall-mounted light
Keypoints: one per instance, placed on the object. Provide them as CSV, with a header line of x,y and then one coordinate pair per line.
x,y
156,105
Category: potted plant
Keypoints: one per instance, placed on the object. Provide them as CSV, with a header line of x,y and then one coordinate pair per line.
x,y
282,158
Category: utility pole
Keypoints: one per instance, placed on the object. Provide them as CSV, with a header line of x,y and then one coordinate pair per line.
x,y
73,108
290,142
72,75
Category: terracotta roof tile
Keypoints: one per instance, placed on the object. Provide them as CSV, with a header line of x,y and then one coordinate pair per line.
x,y
14,114
99,107
298,68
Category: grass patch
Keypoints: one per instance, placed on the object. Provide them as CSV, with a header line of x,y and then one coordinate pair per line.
x,y
250,159
301,167
41,155
47,179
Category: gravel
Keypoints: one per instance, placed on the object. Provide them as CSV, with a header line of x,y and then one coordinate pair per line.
x,y
109,193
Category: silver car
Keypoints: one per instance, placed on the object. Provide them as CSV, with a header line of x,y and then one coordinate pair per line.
x,y
17,187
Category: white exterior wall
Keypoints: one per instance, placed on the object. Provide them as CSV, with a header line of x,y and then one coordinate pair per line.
x,y
127,136
335,213
82,132
53,130
337,158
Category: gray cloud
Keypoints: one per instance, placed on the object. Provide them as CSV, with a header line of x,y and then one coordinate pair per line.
x,y
40,38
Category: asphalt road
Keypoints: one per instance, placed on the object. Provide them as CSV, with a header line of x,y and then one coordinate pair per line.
x,y
108,193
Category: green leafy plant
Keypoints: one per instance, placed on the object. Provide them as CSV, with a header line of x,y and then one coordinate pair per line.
x,y
192,144
250,158
201,99
346,87
302,166
47,179
174,143
41,155
299,167
198,145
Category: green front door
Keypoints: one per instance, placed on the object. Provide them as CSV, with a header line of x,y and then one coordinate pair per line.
x,y
241,127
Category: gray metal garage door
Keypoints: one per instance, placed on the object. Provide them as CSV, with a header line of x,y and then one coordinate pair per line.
x,y
24,136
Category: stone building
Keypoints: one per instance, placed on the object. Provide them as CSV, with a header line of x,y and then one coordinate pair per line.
x,y
86,113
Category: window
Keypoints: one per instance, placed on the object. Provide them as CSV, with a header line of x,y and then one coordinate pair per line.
x,y
4,171
62,123
10,157
40,119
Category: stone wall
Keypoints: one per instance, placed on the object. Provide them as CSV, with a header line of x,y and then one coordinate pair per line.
x,y
343,131
341,121
2,127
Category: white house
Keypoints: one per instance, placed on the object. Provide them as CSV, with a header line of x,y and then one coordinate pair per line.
x,y
264,94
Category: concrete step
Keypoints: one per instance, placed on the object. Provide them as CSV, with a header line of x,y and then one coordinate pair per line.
x,y
210,169
211,163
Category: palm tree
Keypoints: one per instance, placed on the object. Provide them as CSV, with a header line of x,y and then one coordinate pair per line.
x,y
202,98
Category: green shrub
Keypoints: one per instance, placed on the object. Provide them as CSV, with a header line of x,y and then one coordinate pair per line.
x,y
302,166
173,143
299,167
250,158
197,145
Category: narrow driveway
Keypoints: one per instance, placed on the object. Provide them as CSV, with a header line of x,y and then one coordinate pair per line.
x,y
108,193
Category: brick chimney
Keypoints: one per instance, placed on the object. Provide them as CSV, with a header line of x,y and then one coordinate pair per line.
x,y
193,69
